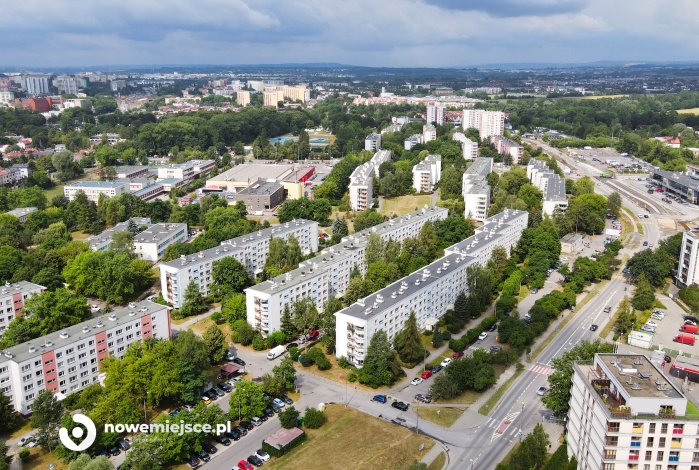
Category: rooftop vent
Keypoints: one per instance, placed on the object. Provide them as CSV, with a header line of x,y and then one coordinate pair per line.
x,y
86,329
112,317
9,355
31,348
64,334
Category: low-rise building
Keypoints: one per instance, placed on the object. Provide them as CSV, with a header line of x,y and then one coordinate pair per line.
x,y
412,141
261,195
686,186
427,173
571,243
22,213
429,133
132,171
428,292
187,171
395,127
102,241
551,184
93,189
12,298
475,189
151,244
250,250
68,361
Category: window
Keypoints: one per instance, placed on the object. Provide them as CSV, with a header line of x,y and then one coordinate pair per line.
x,y
661,442
663,428
610,454
660,455
612,427
612,440
649,442
649,455
651,428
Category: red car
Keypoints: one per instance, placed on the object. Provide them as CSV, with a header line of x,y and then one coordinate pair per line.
x,y
426,375
458,354
244,465
313,335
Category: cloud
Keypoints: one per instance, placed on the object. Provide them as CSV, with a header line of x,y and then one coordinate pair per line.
x,y
512,8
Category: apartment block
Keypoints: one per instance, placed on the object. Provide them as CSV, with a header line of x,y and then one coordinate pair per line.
x,y
429,292
243,97
488,123
250,250
272,97
257,85
395,127
427,173
688,270
187,171
475,189
6,97
625,413
12,298
297,93
361,187
429,133
151,244
551,184
509,147
102,241
93,189
435,114
372,142
468,147
36,85
22,213
412,141
327,275
68,361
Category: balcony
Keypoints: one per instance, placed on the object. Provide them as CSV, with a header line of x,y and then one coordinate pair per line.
x,y
638,430
676,445
678,431
633,457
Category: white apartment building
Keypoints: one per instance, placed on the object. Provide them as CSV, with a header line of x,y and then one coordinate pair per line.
x,y
151,244
250,250
93,189
12,297
468,147
242,97
551,184
36,85
67,84
327,275
395,127
361,187
7,97
272,96
429,133
412,141
186,171
688,271
509,147
102,241
257,85
625,413
475,189
372,142
68,361
435,114
429,292
427,173
22,213
488,123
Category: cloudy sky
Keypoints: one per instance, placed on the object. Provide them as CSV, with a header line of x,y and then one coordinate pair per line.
x,y
412,33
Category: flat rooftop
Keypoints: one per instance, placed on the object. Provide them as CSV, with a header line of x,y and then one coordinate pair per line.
x,y
691,182
261,188
99,240
555,189
18,287
158,232
84,330
249,172
481,166
97,184
641,372
22,211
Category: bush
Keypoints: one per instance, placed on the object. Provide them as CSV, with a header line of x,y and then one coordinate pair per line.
x,y
446,335
454,328
352,377
289,417
427,332
216,317
315,353
437,340
258,343
71,401
313,419
24,454
275,339
323,363
294,353
306,360
343,362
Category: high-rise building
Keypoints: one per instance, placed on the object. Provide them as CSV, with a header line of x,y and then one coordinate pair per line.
x,y
361,187
6,97
625,413
435,114
12,299
256,85
468,147
272,96
506,146
36,85
688,269
475,188
67,84
488,123
243,97
428,292
551,184
429,133
427,173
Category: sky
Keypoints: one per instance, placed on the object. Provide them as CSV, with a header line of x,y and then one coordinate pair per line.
x,y
392,33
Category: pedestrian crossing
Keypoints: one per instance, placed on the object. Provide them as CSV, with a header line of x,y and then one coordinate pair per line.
x,y
541,369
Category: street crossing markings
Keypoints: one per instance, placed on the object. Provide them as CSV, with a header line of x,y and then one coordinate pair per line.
x,y
541,369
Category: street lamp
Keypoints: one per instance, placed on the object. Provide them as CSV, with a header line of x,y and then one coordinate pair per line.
x,y
471,467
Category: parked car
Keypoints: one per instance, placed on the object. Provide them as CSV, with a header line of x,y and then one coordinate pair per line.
x,y
379,398
400,405
256,421
690,322
244,465
114,451
291,345
416,381
645,243
483,335
239,361
24,440
230,356
247,425
240,430
203,455
426,375
95,308
313,335
269,412
123,444
222,439
218,392
286,399
232,434
535,290
210,448
192,461
278,402
655,325
436,369
423,398
264,456
457,354
255,460
225,386
276,408
493,327
495,348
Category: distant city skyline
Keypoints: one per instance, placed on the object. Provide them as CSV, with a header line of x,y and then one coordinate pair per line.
x,y
391,33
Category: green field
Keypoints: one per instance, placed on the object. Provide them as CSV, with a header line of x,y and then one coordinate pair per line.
x,y
404,204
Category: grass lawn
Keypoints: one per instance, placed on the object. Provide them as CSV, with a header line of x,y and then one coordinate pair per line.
x,y
271,219
55,191
438,463
351,439
440,415
692,408
26,428
338,374
80,236
602,97
403,204
40,459
688,111
202,325
337,214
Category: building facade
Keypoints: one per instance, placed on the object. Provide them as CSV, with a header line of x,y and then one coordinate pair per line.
x,y
429,133
67,361
412,141
509,147
427,173
468,147
551,184
361,187
22,213
435,114
187,171
12,298
475,189
372,142
327,275
250,250
626,414
429,292
242,97
261,195
102,241
93,189
151,244
688,270
488,123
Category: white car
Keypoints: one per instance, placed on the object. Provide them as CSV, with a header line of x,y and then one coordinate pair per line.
x,y
651,323
95,308
483,335
23,441
648,329
563,258
446,362
262,455
416,381
640,215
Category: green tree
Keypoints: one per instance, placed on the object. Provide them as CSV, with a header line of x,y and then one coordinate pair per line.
x,y
532,452
8,416
313,418
450,183
191,362
357,289
584,185
244,333
614,203
146,453
228,276
285,373
47,413
287,325
122,242
289,417
193,300
409,346
233,307
215,342
5,460
247,400
85,462
367,218
339,227
561,380
644,295
380,366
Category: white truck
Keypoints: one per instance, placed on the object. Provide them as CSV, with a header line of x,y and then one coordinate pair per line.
x,y
276,352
